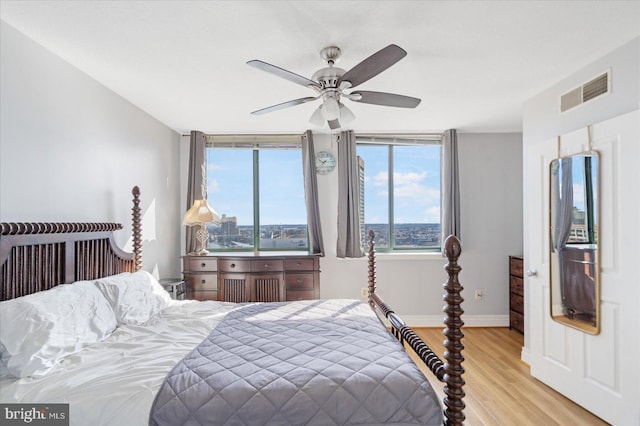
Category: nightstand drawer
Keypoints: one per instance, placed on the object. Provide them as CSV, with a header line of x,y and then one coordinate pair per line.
x,y
299,281
267,265
234,265
200,264
202,281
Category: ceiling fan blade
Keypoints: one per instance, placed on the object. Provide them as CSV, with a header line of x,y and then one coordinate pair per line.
x,y
281,72
284,105
374,65
385,99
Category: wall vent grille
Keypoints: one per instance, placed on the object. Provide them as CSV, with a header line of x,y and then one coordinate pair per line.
x,y
586,92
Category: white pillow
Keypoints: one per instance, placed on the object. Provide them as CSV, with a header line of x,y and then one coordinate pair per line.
x,y
37,331
135,297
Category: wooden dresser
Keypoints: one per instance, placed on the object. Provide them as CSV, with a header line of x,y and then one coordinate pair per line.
x,y
516,293
252,277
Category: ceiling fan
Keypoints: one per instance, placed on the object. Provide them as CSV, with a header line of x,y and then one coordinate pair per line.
x,y
332,83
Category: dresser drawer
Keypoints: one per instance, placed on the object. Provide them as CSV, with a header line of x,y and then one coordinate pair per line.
x,y
202,295
234,265
517,303
200,264
517,285
201,281
299,264
293,295
299,281
516,321
267,265
516,267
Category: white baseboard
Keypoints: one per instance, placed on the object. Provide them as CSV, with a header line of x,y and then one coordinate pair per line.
x,y
525,355
469,320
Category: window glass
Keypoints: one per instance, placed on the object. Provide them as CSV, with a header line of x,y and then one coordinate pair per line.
x,y
259,194
230,193
376,192
283,216
402,194
416,196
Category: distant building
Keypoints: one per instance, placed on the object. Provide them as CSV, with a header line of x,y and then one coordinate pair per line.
x,y
229,225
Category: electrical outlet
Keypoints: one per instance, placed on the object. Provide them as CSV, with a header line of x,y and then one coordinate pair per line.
x,y
479,294
364,292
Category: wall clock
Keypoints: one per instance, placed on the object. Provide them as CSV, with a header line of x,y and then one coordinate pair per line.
x,y
325,162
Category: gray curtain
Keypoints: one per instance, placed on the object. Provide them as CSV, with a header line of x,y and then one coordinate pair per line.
x,y
450,198
311,195
197,181
349,242
564,210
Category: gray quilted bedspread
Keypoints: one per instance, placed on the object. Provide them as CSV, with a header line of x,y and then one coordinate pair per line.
x,y
321,362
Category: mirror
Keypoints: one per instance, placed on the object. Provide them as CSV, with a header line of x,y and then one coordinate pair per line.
x,y
574,260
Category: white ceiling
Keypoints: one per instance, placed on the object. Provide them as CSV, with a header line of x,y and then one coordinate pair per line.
x,y
473,63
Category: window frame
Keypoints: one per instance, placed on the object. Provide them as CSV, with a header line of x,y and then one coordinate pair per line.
x,y
390,141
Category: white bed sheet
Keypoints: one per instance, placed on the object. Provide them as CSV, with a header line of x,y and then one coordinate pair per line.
x,y
114,382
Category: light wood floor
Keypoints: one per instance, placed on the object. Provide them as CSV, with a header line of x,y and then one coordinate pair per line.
x,y
499,389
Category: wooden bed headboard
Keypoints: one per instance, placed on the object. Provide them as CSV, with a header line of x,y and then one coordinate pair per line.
x,y
39,256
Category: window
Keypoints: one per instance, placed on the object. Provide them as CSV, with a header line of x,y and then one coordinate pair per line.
x,y
401,191
257,188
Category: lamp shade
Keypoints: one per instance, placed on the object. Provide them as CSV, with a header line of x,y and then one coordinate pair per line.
x,y
200,212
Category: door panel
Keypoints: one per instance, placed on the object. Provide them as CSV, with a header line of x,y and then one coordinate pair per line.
x,y
599,372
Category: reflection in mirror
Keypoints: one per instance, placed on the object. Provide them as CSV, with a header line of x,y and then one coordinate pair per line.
x,y
575,277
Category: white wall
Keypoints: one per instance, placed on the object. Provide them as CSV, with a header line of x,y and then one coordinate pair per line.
x,y
71,150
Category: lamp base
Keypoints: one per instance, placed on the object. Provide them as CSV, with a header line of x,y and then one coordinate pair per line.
x,y
202,236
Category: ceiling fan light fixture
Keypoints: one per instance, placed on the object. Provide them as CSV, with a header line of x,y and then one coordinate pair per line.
x,y
317,119
330,109
346,116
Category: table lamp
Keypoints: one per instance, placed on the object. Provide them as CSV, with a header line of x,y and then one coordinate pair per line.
x,y
200,214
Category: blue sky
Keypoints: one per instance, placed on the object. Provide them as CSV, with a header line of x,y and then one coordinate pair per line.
x,y
416,177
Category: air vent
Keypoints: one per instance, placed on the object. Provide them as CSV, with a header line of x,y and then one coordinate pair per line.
x,y
586,92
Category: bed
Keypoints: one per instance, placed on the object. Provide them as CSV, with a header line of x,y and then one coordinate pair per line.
x,y
131,355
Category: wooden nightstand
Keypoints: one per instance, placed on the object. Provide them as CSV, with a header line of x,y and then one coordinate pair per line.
x,y
175,287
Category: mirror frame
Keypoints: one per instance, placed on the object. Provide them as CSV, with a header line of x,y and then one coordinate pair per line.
x,y
555,280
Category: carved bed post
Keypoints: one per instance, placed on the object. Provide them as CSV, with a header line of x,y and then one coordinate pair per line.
x,y
372,266
453,332
137,229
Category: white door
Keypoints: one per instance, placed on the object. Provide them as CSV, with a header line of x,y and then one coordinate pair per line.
x,y
599,372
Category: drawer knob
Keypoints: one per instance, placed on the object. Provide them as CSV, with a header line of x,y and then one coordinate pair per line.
x,y
203,281
233,265
532,273
299,281
267,266
298,264
203,264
